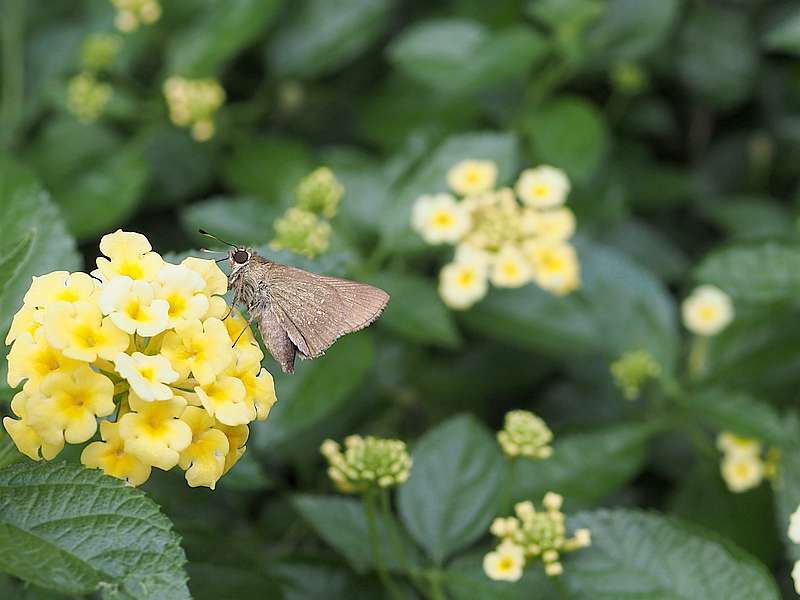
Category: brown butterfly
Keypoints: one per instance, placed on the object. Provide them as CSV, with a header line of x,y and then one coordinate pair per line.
x,y
299,312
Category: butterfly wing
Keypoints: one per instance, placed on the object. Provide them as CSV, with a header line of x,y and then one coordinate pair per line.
x,y
316,310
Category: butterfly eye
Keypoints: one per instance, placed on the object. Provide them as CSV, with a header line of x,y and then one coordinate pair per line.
x,y
241,256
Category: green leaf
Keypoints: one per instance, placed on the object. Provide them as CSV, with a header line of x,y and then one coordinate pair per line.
x,y
784,33
430,176
322,36
415,311
318,580
751,218
210,581
239,220
269,168
342,523
642,555
569,133
77,531
317,388
754,273
451,496
585,467
13,256
26,210
218,34
619,307
460,57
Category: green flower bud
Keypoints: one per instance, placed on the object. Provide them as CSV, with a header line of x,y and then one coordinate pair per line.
x,y
320,192
192,103
629,78
525,434
99,51
87,97
366,462
632,370
303,232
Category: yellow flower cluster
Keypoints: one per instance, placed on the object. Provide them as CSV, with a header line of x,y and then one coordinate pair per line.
x,y
742,466
633,370
531,534
87,97
366,462
509,237
524,434
192,103
132,13
794,535
145,346
305,228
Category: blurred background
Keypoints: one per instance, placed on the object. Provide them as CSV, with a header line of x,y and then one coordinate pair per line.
x,y
677,122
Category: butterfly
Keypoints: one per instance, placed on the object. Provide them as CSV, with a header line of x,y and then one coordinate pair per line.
x,y
299,312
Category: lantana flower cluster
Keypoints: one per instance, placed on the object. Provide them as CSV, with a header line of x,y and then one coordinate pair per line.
x,y
305,228
366,462
506,237
742,466
192,103
633,370
146,347
529,535
133,13
524,434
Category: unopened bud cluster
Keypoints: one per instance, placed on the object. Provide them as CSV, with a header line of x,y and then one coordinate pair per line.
x,y
320,192
87,97
133,13
524,434
366,462
192,103
633,370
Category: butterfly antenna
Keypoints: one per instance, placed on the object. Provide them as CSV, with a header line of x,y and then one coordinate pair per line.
x,y
213,237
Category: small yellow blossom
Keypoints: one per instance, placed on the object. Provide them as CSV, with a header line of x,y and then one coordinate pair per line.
x,y
505,563
226,399
25,437
182,289
510,269
237,439
192,103
204,458
440,219
130,255
471,177
204,349
556,225
543,187
133,306
80,332
153,432
32,358
555,266
742,472
707,311
303,232
27,320
259,385
216,282
525,434
239,330
462,284
320,192
87,97
730,443
60,286
366,462
794,526
148,376
110,456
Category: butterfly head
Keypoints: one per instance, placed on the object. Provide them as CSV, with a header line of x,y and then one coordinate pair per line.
x,y
239,257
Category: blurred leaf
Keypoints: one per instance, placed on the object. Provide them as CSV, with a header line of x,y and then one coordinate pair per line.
x,y
758,272
751,218
661,558
465,579
268,167
569,133
307,580
585,467
784,33
460,57
26,211
620,307
717,58
218,34
13,256
787,490
77,531
651,248
209,581
415,311
342,523
246,221
321,36
430,176
451,496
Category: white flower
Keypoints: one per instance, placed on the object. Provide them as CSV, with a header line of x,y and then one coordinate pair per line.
x,y
794,526
133,307
742,472
505,563
472,177
510,269
555,266
147,375
796,576
556,225
730,443
707,311
440,219
462,284
543,187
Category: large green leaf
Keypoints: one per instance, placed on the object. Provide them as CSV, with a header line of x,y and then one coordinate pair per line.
x,y
758,272
322,580
77,531
641,555
342,523
321,36
585,467
268,167
218,34
458,56
238,220
784,31
451,496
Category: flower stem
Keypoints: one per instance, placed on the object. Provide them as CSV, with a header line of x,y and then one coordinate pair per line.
x,y
380,567
394,535
697,356
13,28
506,500
562,589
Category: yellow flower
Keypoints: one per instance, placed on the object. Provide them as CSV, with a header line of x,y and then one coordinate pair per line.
x,y
153,433
80,331
27,320
130,255
543,187
555,266
204,459
147,375
25,437
32,358
510,269
239,330
258,383
216,282
182,288
60,286
505,563
440,219
462,284
110,456
66,406
133,307
224,398
730,443
204,349
707,311
472,177
237,438
556,225
742,472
